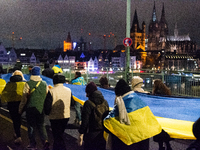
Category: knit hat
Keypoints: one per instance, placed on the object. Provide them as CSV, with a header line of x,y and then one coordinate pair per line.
x,y
136,80
18,72
35,71
58,78
90,88
122,87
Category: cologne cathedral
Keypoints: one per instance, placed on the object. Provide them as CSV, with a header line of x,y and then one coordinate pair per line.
x,y
159,49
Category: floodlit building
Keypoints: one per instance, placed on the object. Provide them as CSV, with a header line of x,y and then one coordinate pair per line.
x,y
67,44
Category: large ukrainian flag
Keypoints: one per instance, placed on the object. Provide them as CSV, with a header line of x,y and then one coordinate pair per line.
x,y
143,123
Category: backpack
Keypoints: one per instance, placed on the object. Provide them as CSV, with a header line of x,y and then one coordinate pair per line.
x,y
99,113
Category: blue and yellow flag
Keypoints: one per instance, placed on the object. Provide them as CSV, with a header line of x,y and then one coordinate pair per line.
x,y
143,123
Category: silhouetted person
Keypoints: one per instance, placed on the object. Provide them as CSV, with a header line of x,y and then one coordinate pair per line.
x,y
48,72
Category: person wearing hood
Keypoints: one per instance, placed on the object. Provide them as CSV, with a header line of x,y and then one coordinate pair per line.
x,y
57,69
136,84
12,94
34,94
91,128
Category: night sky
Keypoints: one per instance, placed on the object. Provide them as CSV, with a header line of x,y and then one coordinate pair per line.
x,y
46,23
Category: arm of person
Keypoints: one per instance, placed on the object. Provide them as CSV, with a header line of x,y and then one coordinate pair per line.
x,y
24,98
85,115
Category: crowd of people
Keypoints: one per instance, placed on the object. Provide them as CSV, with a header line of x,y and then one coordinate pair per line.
x,y
129,125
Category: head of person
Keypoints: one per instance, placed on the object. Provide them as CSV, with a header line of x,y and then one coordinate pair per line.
x,y
103,81
18,73
77,74
122,88
35,71
160,88
90,88
30,67
46,65
136,82
58,78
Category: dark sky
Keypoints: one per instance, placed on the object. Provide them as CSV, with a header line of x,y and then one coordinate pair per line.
x,y
46,23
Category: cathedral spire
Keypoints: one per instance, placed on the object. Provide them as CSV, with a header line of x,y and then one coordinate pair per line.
x,y
154,13
163,14
135,23
69,38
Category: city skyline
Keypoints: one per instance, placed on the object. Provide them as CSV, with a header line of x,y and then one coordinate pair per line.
x,y
45,24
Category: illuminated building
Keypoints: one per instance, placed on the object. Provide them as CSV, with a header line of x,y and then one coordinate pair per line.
x,y
157,31
68,45
138,40
137,34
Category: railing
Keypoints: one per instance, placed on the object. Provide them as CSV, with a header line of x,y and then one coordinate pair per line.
x,y
180,83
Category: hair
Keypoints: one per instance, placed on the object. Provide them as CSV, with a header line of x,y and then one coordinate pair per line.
x,y
58,78
78,74
122,87
103,81
160,88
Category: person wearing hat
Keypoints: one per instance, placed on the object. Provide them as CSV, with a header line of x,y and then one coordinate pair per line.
x,y
12,94
136,84
91,128
34,94
60,112
130,124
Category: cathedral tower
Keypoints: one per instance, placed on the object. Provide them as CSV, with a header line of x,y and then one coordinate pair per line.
x,y
67,44
157,31
137,34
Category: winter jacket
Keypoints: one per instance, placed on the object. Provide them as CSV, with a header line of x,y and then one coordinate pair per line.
x,y
13,90
87,125
36,99
61,96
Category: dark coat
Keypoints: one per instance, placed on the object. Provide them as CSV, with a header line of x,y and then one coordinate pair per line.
x,y
87,127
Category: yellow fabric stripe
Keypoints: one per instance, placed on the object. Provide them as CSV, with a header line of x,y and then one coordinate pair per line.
x,y
179,129
35,87
143,126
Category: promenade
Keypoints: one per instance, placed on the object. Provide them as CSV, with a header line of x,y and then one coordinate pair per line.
x,y
71,134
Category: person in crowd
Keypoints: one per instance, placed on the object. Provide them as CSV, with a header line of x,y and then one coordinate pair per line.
x,y
30,67
12,94
91,128
159,88
131,123
48,72
60,112
18,65
104,83
195,145
136,84
56,68
34,94
78,80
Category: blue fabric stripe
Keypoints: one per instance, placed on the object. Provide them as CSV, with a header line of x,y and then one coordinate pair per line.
x,y
133,102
